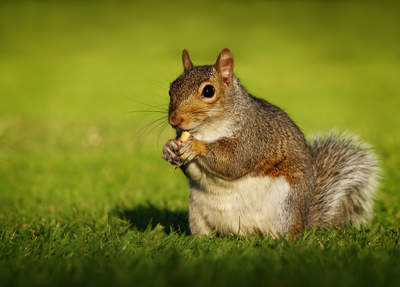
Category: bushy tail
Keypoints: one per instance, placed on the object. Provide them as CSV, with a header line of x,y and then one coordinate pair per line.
x,y
346,173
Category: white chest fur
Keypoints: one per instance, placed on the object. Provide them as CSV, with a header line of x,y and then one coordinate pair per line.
x,y
211,132
247,205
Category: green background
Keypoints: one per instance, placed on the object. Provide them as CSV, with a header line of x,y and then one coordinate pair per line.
x,y
85,198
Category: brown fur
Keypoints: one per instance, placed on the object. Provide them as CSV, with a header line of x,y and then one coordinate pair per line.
x,y
264,141
199,147
281,167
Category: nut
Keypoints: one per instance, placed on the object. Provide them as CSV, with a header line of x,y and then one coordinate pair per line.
x,y
184,136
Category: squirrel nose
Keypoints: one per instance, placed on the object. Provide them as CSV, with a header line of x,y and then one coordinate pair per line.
x,y
175,120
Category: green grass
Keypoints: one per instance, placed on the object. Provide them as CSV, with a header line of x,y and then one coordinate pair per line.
x,y
85,198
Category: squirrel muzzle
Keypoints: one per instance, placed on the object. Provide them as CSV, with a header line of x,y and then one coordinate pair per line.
x,y
175,120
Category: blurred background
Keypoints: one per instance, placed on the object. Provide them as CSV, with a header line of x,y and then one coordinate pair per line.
x,y
83,91
81,82
68,67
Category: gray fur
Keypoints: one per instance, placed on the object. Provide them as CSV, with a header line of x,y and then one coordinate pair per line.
x,y
346,173
253,153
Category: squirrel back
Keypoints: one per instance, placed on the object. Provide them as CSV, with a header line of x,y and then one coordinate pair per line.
x,y
250,167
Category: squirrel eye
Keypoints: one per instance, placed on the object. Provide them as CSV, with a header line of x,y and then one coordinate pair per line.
x,y
208,91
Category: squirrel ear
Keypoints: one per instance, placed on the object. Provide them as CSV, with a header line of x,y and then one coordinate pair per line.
x,y
187,63
224,66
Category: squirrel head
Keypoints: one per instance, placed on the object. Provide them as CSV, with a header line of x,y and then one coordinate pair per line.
x,y
199,96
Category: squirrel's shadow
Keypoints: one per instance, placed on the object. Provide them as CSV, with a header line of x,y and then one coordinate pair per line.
x,y
147,216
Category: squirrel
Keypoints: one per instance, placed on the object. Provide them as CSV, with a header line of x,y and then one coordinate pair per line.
x,y
250,168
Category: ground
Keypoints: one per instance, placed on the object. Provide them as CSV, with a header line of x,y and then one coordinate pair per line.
x,y
85,198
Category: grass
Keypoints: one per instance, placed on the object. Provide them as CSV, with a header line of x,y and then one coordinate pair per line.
x,y
85,198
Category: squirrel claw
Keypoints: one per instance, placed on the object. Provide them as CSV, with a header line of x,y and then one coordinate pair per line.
x,y
169,153
178,153
185,148
186,152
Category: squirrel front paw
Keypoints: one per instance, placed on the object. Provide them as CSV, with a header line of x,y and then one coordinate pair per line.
x,y
187,152
179,153
170,152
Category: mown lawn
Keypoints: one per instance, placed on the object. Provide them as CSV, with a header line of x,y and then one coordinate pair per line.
x,y
85,198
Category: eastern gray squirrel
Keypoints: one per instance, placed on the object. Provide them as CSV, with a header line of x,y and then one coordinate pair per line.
x,y
249,166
